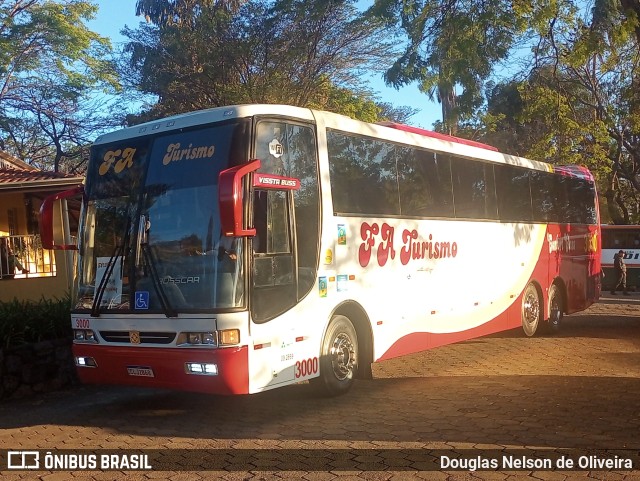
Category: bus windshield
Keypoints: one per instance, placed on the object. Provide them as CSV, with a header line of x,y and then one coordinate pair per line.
x,y
151,228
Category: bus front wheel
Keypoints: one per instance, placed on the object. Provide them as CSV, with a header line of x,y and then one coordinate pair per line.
x,y
338,357
530,310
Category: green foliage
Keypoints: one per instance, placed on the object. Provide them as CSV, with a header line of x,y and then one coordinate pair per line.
x,y
579,103
28,321
452,48
50,64
296,52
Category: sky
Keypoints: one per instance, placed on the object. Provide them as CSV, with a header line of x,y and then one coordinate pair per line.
x,y
113,15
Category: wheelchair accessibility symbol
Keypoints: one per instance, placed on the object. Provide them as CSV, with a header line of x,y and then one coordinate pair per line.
x,y
142,300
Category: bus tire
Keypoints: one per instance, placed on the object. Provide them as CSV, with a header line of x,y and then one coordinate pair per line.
x,y
531,311
338,358
556,308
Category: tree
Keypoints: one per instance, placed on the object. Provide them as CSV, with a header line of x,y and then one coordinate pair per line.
x,y
579,103
50,63
286,51
451,49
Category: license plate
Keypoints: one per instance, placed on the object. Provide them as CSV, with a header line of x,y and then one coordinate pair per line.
x,y
140,371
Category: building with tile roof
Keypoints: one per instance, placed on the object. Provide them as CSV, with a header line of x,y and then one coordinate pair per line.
x,y
26,270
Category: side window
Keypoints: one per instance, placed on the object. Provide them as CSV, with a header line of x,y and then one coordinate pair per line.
x,y
544,199
363,175
271,219
425,183
473,189
514,194
583,198
287,222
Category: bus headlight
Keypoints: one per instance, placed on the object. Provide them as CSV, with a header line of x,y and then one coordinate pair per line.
x,y
226,337
194,338
84,335
197,339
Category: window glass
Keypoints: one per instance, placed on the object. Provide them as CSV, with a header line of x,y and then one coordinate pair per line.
x,y
513,192
185,255
473,189
363,175
583,209
292,149
425,183
271,220
545,200
288,150
151,230
620,239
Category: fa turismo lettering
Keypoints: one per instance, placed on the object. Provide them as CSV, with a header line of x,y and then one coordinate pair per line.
x,y
175,153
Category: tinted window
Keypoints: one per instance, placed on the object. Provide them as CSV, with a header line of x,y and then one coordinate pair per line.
x,y
288,150
296,157
363,175
425,183
620,238
513,191
546,201
473,189
372,177
583,209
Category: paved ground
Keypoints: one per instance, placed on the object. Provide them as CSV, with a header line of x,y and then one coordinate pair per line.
x,y
575,395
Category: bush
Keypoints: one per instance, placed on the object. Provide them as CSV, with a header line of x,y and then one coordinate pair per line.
x,y
23,322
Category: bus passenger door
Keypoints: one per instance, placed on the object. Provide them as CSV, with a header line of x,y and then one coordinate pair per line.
x,y
274,287
274,283
286,209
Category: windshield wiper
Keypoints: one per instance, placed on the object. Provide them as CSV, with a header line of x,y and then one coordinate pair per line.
x,y
117,253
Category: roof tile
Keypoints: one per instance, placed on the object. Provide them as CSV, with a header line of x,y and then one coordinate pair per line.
x,y
12,176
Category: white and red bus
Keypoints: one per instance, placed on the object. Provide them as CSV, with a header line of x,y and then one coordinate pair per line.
x,y
240,249
614,239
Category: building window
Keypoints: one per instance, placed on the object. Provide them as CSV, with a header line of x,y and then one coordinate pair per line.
x,y
12,217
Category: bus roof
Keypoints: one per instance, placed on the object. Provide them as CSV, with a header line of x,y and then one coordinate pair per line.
x,y
430,139
437,135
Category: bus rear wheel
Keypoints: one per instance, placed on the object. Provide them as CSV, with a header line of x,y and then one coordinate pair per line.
x,y
530,310
556,308
338,357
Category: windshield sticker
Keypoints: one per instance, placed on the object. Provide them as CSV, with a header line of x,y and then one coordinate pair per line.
x,y
275,148
175,153
142,300
112,294
120,159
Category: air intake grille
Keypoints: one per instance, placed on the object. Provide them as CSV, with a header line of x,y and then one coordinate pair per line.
x,y
145,337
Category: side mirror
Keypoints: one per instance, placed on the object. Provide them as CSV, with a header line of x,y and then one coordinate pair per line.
x,y
46,218
230,199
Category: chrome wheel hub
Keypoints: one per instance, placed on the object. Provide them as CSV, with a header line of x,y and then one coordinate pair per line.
x,y
531,308
343,356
